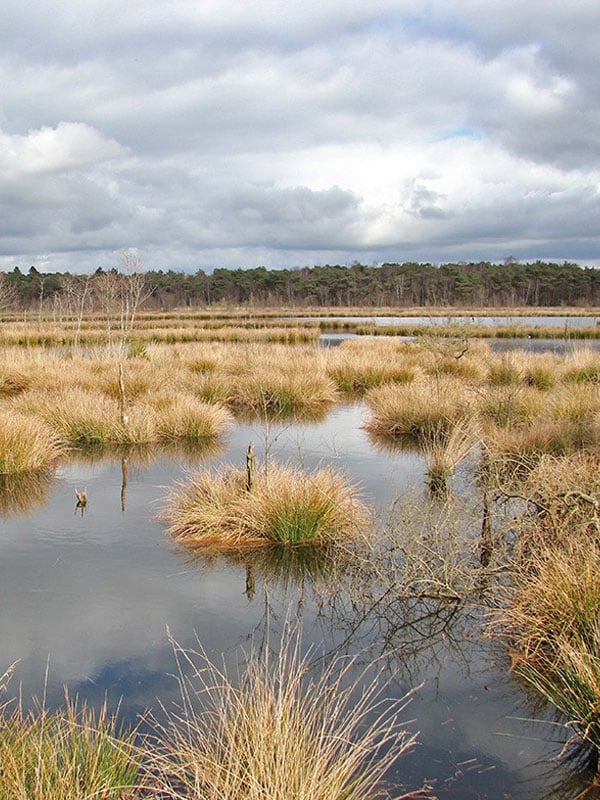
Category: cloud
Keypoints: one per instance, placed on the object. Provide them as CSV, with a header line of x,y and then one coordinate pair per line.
x,y
268,131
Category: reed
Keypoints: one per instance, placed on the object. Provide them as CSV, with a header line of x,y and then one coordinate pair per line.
x,y
26,444
287,505
279,730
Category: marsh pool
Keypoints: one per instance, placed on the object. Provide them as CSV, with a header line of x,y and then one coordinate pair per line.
x,y
89,597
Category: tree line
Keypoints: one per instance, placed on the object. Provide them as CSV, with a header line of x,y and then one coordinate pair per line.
x,y
481,284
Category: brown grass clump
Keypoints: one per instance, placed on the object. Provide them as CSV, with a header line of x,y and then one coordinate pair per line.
x,y
26,444
510,405
183,416
504,371
358,366
553,619
445,450
280,731
288,505
421,410
286,385
582,366
82,417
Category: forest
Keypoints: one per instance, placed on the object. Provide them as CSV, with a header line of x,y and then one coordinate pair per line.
x,y
481,284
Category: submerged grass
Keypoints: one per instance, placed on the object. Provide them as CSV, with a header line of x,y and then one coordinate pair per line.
x,y
288,505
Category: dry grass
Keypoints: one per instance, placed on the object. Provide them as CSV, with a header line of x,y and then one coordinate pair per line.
x,y
74,754
183,416
278,731
552,621
357,366
288,505
446,449
26,444
419,411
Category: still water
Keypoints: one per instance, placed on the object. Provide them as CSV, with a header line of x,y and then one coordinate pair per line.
x,y
541,321
557,346
89,598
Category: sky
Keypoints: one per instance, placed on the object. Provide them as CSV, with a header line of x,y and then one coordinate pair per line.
x,y
238,133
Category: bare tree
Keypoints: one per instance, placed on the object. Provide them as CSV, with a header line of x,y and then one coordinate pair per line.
x,y
78,292
135,290
7,293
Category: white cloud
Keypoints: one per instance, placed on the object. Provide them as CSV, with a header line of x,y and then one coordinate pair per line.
x,y
277,132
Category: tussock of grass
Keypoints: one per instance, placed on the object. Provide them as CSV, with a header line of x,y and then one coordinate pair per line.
x,y
445,450
279,731
26,444
12,382
510,405
284,384
554,629
186,417
552,621
74,754
358,366
287,506
421,410
81,417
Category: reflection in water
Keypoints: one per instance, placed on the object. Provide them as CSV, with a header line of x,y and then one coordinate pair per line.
x,y
20,494
96,594
324,568
270,416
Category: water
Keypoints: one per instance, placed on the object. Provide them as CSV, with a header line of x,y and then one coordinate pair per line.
x,y
541,321
501,345
89,599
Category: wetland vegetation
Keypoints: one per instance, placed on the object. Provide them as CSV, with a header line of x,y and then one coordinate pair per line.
x,y
514,531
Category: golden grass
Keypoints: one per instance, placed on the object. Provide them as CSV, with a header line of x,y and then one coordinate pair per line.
x,y
446,449
26,444
280,731
552,620
288,505
357,366
419,411
183,416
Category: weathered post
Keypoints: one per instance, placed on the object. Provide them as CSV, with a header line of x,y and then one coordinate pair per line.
x,y
250,467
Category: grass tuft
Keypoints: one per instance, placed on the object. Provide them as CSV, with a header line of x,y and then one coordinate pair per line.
x,y
73,754
279,731
26,444
287,506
